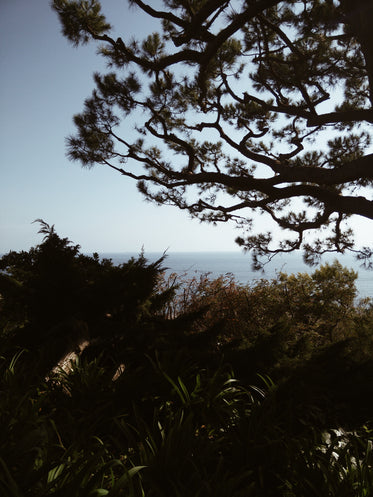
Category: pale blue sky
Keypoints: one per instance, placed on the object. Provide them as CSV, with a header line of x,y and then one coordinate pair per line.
x,y
43,83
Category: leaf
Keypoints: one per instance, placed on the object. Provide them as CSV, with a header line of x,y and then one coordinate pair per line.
x,y
98,492
54,473
124,480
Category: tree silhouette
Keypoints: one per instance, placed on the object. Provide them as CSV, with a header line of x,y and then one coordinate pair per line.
x,y
239,107
53,298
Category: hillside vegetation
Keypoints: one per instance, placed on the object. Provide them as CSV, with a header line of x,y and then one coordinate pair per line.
x,y
202,387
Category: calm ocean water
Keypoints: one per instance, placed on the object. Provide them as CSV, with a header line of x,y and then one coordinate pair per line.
x,y
239,264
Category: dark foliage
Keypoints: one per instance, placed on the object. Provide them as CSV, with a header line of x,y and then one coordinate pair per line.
x,y
151,407
54,299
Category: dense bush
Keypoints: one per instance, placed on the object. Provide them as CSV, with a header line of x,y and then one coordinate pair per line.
x,y
298,314
54,298
153,405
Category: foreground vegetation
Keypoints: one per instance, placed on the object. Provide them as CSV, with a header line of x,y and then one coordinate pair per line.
x,y
180,388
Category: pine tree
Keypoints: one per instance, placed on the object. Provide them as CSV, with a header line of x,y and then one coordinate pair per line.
x,y
240,107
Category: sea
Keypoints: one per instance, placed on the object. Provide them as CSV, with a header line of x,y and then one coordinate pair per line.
x,y
239,264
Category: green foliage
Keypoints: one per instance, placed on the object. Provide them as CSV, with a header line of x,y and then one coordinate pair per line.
x,y
153,406
314,309
206,434
79,18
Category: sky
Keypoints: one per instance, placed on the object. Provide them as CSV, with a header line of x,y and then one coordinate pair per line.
x,y
43,83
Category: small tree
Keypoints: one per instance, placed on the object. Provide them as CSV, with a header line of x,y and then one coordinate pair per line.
x,y
322,302
54,298
241,107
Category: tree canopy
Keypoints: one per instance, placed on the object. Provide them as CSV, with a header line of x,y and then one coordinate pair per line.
x,y
238,107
